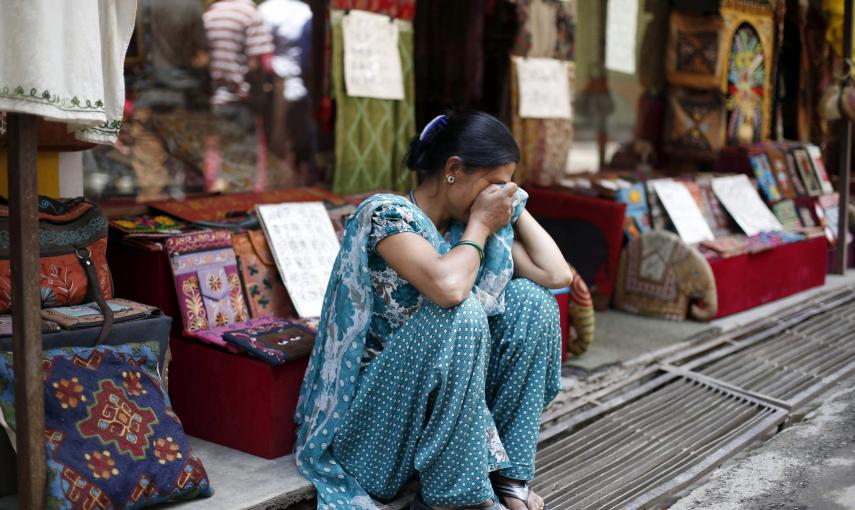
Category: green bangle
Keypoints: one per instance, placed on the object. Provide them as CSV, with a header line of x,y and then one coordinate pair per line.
x,y
474,245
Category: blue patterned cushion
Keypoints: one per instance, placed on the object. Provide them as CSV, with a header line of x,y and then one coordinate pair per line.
x,y
112,439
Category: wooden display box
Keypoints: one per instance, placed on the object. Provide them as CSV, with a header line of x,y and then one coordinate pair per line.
x,y
589,232
750,280
233,399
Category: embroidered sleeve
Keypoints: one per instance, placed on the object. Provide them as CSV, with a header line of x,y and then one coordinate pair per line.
x,y
391,219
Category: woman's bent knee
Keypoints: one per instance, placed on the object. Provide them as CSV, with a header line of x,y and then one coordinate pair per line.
x,y
523,295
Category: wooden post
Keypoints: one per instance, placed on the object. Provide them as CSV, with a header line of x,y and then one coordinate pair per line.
x,y
26,309
845,152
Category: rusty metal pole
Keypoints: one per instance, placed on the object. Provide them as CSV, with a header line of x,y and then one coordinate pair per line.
x,y
845,153
26,309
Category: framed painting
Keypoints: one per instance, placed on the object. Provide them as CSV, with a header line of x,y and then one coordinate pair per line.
x,y
806,172
765,178
747,50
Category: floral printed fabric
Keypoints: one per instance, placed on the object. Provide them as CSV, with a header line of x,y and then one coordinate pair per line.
x,y
333,373
395,300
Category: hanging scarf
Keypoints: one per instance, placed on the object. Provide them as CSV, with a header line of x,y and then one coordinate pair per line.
x,y
332,375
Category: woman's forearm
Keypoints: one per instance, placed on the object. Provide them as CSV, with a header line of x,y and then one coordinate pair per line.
x,y
543,252
458,268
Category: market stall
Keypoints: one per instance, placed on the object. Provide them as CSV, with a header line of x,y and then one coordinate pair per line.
x,y
212,228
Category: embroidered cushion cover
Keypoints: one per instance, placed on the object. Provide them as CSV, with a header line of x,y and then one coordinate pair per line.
x,y
206,280
277,342
112,440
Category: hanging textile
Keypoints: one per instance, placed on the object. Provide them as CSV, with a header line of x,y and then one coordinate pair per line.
x,y
501,26
544,143
402,9
67,63
548,28
372,135
449,56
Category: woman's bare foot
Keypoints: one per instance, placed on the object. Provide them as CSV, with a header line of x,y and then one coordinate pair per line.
x,y
535,502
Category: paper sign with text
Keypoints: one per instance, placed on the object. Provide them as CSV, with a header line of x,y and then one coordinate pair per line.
x,y
372,62
304,246
621,28
544,88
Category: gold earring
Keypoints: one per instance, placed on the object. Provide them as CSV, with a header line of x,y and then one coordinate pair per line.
x,y
450,179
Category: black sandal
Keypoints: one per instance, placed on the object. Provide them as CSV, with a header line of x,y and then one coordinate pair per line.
x,y
419,504
520,491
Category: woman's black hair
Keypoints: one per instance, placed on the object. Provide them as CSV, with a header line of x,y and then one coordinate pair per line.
x,y
477,138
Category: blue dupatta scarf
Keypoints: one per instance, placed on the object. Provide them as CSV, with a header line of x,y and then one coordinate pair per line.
x,y
332,376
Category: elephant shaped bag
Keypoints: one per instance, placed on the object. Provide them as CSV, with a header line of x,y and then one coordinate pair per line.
x,y
660,276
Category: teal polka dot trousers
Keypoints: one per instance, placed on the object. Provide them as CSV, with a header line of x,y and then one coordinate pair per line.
x,y
454,396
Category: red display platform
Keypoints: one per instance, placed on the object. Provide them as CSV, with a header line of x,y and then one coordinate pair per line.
x,y
588,230
750,280
235,400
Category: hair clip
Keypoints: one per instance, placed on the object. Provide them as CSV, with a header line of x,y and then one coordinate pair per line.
x,y
438,120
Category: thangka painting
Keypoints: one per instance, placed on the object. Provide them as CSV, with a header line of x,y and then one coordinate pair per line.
x,y
747,49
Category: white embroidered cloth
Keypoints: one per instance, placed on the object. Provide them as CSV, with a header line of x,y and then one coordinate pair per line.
x,y
64,60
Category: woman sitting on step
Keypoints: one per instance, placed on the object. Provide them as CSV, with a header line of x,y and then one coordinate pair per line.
x,y
439,343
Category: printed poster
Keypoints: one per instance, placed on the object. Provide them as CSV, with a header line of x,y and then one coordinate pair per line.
x,y
372,62
305,246
544,88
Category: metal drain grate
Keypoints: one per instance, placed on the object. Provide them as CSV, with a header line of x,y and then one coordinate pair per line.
x,y
792,366
634,448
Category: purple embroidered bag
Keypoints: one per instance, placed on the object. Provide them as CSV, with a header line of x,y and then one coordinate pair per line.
x,y
206,280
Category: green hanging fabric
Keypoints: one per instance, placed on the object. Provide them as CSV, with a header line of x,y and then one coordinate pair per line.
x,y
372,136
